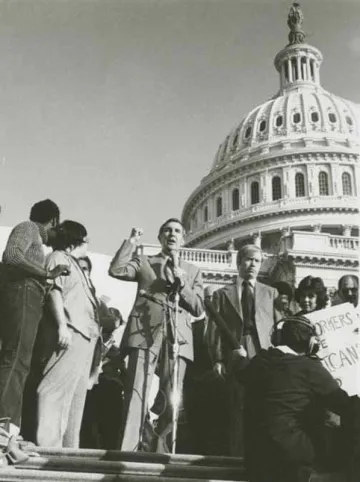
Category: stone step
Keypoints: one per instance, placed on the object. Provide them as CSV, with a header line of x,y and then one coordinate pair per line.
x,y
68,465
135,468
117,455
13,474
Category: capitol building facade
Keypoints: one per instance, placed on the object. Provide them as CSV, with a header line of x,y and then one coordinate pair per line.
x,y
286,178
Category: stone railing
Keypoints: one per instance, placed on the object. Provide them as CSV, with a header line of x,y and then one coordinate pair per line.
x,y
210,258
204,258
307,242
264,208
343,243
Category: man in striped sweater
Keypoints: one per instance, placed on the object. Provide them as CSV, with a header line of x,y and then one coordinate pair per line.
x,y
22,291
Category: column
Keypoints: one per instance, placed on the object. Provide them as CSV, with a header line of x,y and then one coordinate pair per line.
x,y
263,190
298,66
335,176
316,228
256,238
308,69
290,70
286,183
346,230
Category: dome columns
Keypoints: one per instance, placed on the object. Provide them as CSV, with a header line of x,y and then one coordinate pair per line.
x,y
346,230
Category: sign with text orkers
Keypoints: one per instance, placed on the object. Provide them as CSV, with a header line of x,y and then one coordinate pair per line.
x,y
338,330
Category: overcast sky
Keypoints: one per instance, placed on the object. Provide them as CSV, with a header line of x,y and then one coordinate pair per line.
x,y
115,108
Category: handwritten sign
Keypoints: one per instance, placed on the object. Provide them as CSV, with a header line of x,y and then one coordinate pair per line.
x,y
338,330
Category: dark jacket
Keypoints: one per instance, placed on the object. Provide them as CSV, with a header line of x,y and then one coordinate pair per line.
x,y
285,400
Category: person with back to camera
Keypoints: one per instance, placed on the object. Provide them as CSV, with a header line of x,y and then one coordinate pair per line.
x,y
287,391
24,285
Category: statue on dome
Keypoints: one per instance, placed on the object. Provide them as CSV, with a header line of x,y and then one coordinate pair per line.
x,y
295,19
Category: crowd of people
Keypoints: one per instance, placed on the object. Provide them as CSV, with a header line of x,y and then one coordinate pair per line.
x,y
236,367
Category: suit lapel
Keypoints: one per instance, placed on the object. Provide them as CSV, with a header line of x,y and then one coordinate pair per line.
x,y
260,316
232,295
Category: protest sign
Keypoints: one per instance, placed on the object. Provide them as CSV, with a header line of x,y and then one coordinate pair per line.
x,y
338,330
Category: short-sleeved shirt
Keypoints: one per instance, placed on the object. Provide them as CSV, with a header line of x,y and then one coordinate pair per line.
x,y
79,302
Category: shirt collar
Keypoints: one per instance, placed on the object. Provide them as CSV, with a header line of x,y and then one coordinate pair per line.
x,y
43,232
286,349
240,280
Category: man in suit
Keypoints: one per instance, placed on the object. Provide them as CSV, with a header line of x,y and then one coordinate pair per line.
x,y
248,310
149,334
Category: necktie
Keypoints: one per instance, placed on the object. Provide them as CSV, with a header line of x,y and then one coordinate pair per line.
x,y
247,304
168,270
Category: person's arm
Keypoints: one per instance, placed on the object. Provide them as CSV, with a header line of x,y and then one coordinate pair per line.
x,y
56,298
56,305
16,252
124,266
215,342
192,296
325,386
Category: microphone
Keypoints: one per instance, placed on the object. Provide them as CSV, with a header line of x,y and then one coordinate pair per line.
x,y
174,256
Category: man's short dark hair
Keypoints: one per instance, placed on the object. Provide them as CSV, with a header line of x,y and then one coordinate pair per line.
x,y
69,234
284,289
171,220
343,278
44,212
87,261
296,333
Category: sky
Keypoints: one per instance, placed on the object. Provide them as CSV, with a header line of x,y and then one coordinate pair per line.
x,y
115,108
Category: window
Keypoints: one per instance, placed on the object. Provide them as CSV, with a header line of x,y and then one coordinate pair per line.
x,y
262,126
346,184
314,117
255,198
349,120
332,117
219,206
248,132
276,188
206,214
297,118
323,184
279,121
235,199
299,185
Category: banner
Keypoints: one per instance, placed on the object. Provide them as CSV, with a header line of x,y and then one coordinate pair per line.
x,y
338,330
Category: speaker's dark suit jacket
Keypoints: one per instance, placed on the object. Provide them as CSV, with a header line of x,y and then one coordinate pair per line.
x,y
147,317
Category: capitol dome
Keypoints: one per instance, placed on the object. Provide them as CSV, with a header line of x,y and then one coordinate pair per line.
x,y
291,164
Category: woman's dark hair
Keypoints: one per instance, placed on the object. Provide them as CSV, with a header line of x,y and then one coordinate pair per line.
x,y
296,333
44,212
315,286
284,289
69,234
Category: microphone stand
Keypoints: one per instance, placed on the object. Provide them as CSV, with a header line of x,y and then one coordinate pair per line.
x,y
175,381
